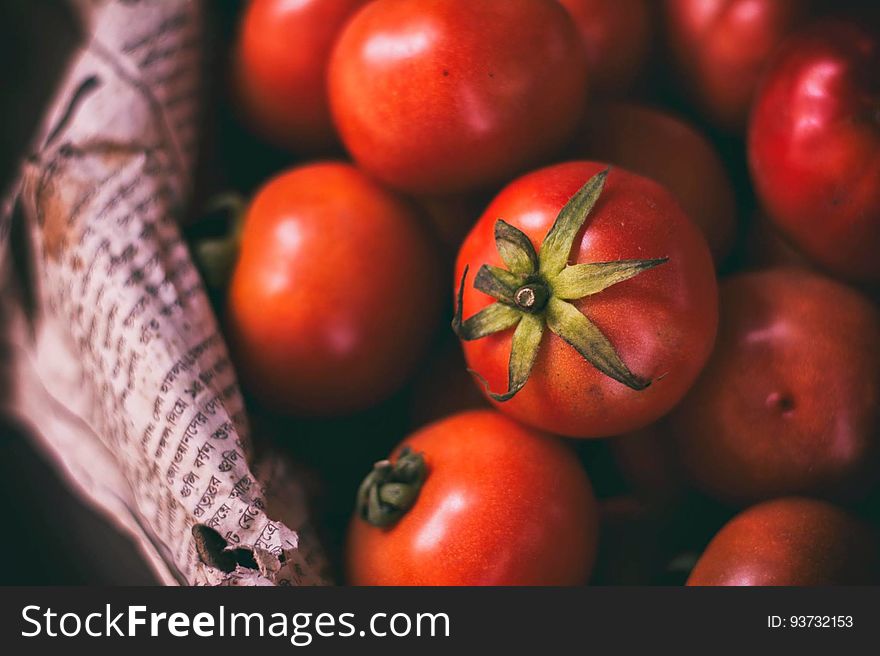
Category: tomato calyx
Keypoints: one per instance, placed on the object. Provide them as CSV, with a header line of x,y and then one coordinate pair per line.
x,y
391,489
533,293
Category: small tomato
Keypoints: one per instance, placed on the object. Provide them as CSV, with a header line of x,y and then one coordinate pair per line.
x,y
720,49
334,296
475,499
280,68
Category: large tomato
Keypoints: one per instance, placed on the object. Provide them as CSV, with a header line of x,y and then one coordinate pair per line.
x,y
476,500
814,146
790,541
280,68
790,400
720,48
624,281
659,146
617,37
333,297
439,96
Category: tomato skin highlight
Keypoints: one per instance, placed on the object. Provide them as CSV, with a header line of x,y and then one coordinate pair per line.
x,y
661,147
617,36
790,541
790,400
720,49
662,322
814,147
280,67
335,294
442,96
501,505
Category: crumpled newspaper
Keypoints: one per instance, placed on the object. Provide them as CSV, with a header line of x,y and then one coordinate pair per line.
x,y
116,364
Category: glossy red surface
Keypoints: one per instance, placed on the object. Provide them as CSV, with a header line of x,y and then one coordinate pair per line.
x,y
501,505
280,68
662,322
442,96
720,49
814,147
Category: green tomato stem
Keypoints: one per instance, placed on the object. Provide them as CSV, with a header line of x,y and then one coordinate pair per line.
x,y
391,489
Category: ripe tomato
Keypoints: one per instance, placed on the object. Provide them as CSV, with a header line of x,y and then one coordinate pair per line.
x,y
651,330
500,505
441,96
790,541
280,67
790,400
654,144
333,297
814,146
617,37
720,48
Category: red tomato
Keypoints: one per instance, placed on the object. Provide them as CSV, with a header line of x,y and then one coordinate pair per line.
x,y
333,298
500,505
654,144
280,67
617,37
721,47
790,400
790,541
814,146
441,96
661,323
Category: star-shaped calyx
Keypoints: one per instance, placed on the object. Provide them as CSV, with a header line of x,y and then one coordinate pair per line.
x,y
535,291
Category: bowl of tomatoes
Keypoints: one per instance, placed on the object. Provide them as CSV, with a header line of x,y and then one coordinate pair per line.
x,y
552,292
